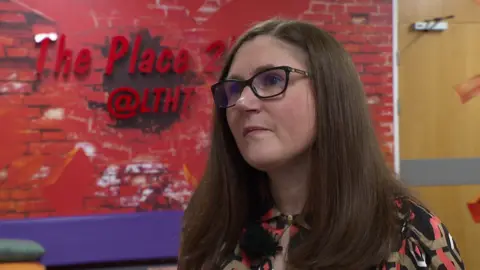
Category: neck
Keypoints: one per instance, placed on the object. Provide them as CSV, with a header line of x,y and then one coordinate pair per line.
x,y
288,186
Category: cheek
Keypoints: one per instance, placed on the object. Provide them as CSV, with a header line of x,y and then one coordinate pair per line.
x,y
299,122
231,119
297,118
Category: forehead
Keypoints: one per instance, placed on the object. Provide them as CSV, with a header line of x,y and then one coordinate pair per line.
x,y
265,51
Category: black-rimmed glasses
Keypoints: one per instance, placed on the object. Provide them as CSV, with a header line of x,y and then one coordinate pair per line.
x,y
268,83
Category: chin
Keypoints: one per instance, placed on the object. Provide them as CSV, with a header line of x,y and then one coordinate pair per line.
x,y
264,162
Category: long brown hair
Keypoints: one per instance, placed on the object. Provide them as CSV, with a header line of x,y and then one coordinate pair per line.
x,y
350,205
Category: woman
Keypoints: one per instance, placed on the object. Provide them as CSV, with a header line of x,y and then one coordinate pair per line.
x,y
295,177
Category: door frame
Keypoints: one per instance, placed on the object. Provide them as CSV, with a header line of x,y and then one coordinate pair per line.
x,y
395,85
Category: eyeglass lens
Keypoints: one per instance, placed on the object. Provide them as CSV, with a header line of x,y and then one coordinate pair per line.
x,y
264,84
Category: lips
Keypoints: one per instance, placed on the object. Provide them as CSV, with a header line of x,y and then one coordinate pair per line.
x,y
250,129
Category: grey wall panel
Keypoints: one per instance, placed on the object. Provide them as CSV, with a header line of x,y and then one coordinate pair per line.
x,y
435,172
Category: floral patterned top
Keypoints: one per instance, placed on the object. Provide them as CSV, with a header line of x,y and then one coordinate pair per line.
x,y
426,242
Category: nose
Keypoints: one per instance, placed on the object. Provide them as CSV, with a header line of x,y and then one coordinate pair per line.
x,y
248,101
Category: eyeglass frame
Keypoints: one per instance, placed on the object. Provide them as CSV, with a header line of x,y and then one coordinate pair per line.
x,y
249,82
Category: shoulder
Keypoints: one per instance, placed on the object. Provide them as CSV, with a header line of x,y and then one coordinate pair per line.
x,y
426,242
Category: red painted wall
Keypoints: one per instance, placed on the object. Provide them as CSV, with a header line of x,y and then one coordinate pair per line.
x,y
62,154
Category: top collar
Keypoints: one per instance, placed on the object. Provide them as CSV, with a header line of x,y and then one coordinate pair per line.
x,y
275,215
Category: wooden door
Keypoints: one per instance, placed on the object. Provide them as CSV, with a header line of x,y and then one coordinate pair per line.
x,y
440,135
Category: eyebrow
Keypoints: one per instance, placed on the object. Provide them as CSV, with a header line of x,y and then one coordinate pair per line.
x,y
255,71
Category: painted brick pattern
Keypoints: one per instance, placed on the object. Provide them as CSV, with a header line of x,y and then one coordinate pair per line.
x,y
62,157
17,82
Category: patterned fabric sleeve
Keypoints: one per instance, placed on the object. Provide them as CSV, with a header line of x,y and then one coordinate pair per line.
x,y
428,244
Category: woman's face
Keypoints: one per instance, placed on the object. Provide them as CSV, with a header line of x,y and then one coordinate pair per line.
x,y
275,131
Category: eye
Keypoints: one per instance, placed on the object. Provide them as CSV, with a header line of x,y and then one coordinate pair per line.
x,y
235,87
271,79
